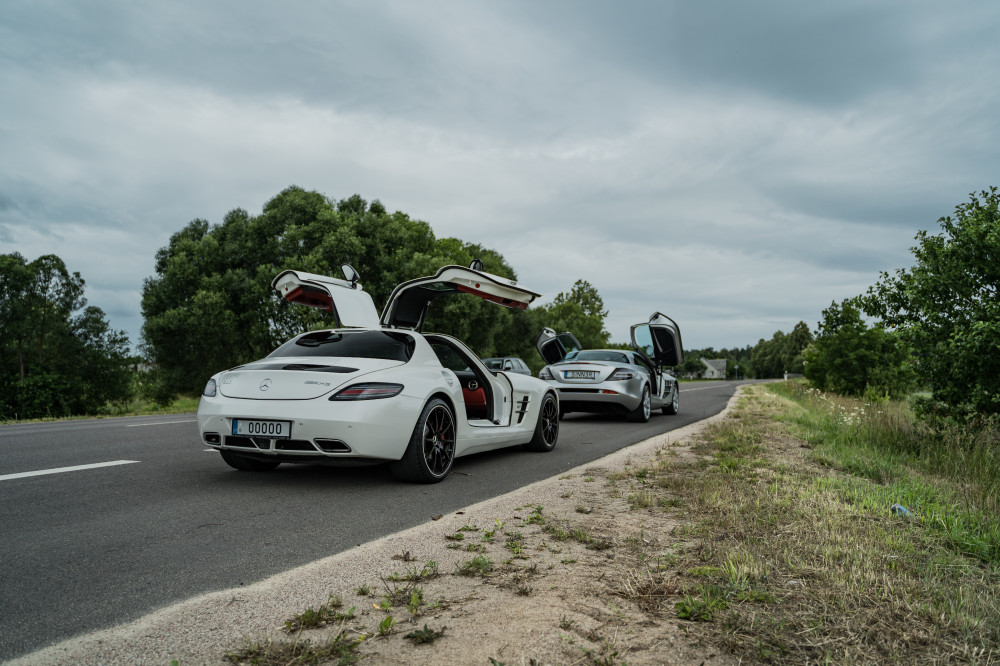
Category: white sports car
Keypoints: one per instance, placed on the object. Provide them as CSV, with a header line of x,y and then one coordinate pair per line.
x,y
617,381
380,391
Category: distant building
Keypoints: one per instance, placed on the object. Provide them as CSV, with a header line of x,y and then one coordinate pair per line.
x,y
714,368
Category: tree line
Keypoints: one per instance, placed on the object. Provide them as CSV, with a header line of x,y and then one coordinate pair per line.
x,y
58,356
209,306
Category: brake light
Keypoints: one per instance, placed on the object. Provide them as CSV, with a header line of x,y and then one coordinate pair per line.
x,y
544,373
370,391
621,374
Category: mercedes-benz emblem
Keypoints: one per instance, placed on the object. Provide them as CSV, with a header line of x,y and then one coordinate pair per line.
x,y
266,384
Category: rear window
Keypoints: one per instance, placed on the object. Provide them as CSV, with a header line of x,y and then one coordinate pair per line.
x,y
597,355
386,345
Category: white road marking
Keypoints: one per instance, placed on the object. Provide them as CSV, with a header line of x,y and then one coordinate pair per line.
x,y
140,425
703,388
60,470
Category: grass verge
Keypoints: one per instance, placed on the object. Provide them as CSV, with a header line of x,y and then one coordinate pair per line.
x,y
802,556
136,407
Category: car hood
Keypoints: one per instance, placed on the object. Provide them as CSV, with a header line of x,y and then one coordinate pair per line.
x,y
296,378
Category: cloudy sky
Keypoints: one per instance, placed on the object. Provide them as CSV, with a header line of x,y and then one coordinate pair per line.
x,y
736,165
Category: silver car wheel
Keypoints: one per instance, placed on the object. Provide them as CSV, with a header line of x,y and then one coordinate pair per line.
x,y
675,402
641,412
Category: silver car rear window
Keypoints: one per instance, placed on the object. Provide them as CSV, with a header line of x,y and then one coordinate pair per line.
x,y
597,355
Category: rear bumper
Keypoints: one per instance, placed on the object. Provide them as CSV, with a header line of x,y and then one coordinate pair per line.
x,y
603,398
322,431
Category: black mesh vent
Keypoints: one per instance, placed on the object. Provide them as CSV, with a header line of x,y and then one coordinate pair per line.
x,y
294,445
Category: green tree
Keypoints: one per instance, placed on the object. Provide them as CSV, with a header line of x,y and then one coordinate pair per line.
x,y
692,364
55,362
850,358
947,307
210,305
782,353
582,313
579,311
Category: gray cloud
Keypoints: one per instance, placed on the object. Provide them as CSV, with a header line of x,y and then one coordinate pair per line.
x,y
738,165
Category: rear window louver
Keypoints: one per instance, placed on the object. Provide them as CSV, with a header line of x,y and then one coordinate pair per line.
x,y
310,367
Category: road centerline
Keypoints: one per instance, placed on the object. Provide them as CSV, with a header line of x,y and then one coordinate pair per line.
x,y
60,470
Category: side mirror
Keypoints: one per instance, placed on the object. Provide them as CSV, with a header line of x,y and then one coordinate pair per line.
x,y
477,264
350,274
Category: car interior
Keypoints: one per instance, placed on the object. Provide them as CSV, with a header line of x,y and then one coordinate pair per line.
x,y
476,387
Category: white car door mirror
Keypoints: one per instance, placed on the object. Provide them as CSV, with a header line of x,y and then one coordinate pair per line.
x,y
350,274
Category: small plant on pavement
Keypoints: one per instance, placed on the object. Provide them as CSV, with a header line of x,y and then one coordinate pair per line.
x,y
386,625
425,635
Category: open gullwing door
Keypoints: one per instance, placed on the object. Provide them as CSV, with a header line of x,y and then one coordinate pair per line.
x,y
659,339
407,305
555,346
344,298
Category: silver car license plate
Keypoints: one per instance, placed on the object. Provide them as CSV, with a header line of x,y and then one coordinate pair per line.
x,y
580,374
257,428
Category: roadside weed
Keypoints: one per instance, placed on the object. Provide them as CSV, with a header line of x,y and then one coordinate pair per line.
x,y
536,517
313,618
425,635
340,649
386,625
481,566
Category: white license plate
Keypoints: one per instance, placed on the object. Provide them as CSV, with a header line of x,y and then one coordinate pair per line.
x,y
255,428
580,374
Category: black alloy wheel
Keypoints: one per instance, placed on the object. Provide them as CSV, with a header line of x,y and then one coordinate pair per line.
x,y
439,441
431,452
547,428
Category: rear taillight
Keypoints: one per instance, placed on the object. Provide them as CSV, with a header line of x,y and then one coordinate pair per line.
x,y
544,373
621,374
370,391
210,389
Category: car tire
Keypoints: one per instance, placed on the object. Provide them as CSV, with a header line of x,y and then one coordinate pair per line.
x,y
641,413
431,450
547,428
246,464
674,405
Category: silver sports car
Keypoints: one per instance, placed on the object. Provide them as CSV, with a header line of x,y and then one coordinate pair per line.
x,y
616,381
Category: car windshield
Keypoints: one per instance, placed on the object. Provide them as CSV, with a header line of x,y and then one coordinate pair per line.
x,y
386,345
597,355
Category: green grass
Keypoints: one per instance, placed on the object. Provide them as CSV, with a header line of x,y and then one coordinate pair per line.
x,y
949,479
137,407
795,556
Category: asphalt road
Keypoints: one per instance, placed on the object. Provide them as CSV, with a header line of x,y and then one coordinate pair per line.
x,y
90,548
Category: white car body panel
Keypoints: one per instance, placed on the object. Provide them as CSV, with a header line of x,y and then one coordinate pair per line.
x,y
352,306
